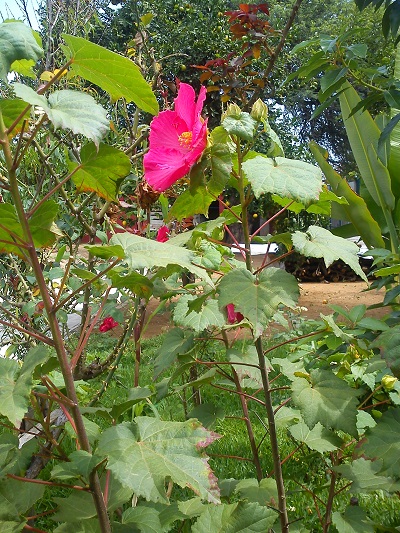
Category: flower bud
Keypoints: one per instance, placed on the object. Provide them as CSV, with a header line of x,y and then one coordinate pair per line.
x,y
388,382
233,110
259,111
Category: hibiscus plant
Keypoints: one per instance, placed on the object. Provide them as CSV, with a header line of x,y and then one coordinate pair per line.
x,y
120,470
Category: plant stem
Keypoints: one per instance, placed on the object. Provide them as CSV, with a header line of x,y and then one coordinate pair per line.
x,y
54,327
261,361
273,438
249,427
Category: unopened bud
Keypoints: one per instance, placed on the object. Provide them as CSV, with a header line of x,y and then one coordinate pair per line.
x,y
388,382
234,111
259,111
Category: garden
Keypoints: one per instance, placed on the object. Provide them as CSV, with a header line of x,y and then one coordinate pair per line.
x,y
199,258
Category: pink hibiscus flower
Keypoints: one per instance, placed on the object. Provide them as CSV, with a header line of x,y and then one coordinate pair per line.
x,y
107,324
162,234
177,140
233,316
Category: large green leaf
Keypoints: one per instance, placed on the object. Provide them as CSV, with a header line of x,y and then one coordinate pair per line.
x,y
319,242
366,476
221,166
16,500
242,126
356,211
16,383
176,342
249,376
318,438
145,519
41,225
76,507
235,518
195,200
353,520
135,282
383,442
264,492
289,178
258,297
208,316
74,110
117,75
101,170
140,252
327,399
10,110
144,454
322,206
17,41
389,344
363,134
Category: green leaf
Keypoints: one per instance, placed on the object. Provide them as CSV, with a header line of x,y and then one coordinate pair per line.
x,y
207,317
10,111
17,41
135,282
221,166
141,253
117,75
327,399
80,464
263,493
145,519
207,414
331,82
249,376
72,110
356,211
242,126
383,442
142,455
16,500
176,342
353,520
76,507
86,526
318,438
101,170
319,242
365,476
41,224
289,178
363,134
235,518
388,343
196,199
258,297
16,384
24,67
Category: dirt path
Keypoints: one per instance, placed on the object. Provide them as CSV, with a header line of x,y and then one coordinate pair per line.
x,y
315,297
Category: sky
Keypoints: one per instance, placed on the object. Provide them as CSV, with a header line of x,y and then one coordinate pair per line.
x,y
11,9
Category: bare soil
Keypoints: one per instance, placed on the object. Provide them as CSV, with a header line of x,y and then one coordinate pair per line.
x,y
314,297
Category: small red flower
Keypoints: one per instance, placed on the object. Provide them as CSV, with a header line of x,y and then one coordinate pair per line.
x,y
233,316
163,234
107,324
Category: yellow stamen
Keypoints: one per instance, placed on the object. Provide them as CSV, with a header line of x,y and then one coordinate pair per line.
x,y
185,139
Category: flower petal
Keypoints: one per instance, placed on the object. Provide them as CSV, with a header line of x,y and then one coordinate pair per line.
x,y
185,105
164,167
165,130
